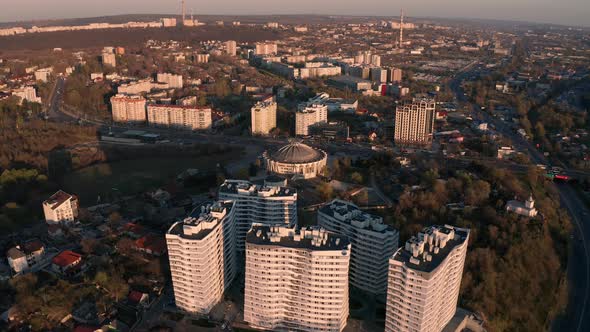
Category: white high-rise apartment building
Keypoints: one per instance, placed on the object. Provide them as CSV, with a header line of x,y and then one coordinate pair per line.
x,y
128,108
264,116
61,207
373,243
230,47
43,74
178,116
296,280
424,280
266,48
309,114
414,122
201,250
173,81
266,204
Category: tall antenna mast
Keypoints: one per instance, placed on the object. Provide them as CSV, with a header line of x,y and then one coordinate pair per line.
x,y
183,12
401,29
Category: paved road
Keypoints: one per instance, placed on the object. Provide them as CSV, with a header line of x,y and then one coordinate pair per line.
x,y
578,269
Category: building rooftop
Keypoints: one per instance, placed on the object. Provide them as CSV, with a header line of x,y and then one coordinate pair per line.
x,y
297,153
202,220
58,199
310,237
65,258
351,214
425,251
242,187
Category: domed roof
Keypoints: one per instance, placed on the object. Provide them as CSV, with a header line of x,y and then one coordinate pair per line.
x,y
297,153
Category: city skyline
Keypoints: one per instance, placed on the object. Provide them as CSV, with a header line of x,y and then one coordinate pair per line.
x,y
568,12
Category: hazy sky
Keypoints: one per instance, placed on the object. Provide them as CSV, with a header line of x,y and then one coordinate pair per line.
x,y
568,12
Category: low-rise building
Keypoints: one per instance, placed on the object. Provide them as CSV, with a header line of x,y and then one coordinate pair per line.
x,y
526,209
23,258
66,263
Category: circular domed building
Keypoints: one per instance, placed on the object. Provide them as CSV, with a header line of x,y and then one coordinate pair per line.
x,y
296,159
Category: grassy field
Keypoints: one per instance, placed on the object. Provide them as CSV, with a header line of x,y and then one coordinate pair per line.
x,y
134,176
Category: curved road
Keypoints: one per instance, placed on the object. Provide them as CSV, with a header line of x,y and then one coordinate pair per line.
x,y
578,268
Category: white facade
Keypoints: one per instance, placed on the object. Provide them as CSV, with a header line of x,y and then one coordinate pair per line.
x,y
22,259
270,205
526,209
43,74
297,160
264,116
109,58
135,88
425,279
201,58
128,108
309,114
373,243
296,280
178,116
266,48
414,122
230,47
27,93
173,81
61,207
201,250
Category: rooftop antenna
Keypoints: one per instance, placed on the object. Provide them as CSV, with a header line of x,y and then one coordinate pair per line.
x,y
401,29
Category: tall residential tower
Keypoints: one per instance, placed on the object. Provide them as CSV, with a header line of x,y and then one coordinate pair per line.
x,y
296,279
424,280
201,250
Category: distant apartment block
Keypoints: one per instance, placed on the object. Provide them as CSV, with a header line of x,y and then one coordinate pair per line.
x,y
173,81
201,58
414,122
266,204
27,93
109,58
266,49
308,115
230,47
264,116
425,279
180,117
60,208
373,243
296,279
168,22
394,75
128,109
201,250
353,83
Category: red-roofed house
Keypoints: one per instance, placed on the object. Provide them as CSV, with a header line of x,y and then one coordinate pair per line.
x,y
133,230
151,244
67,262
